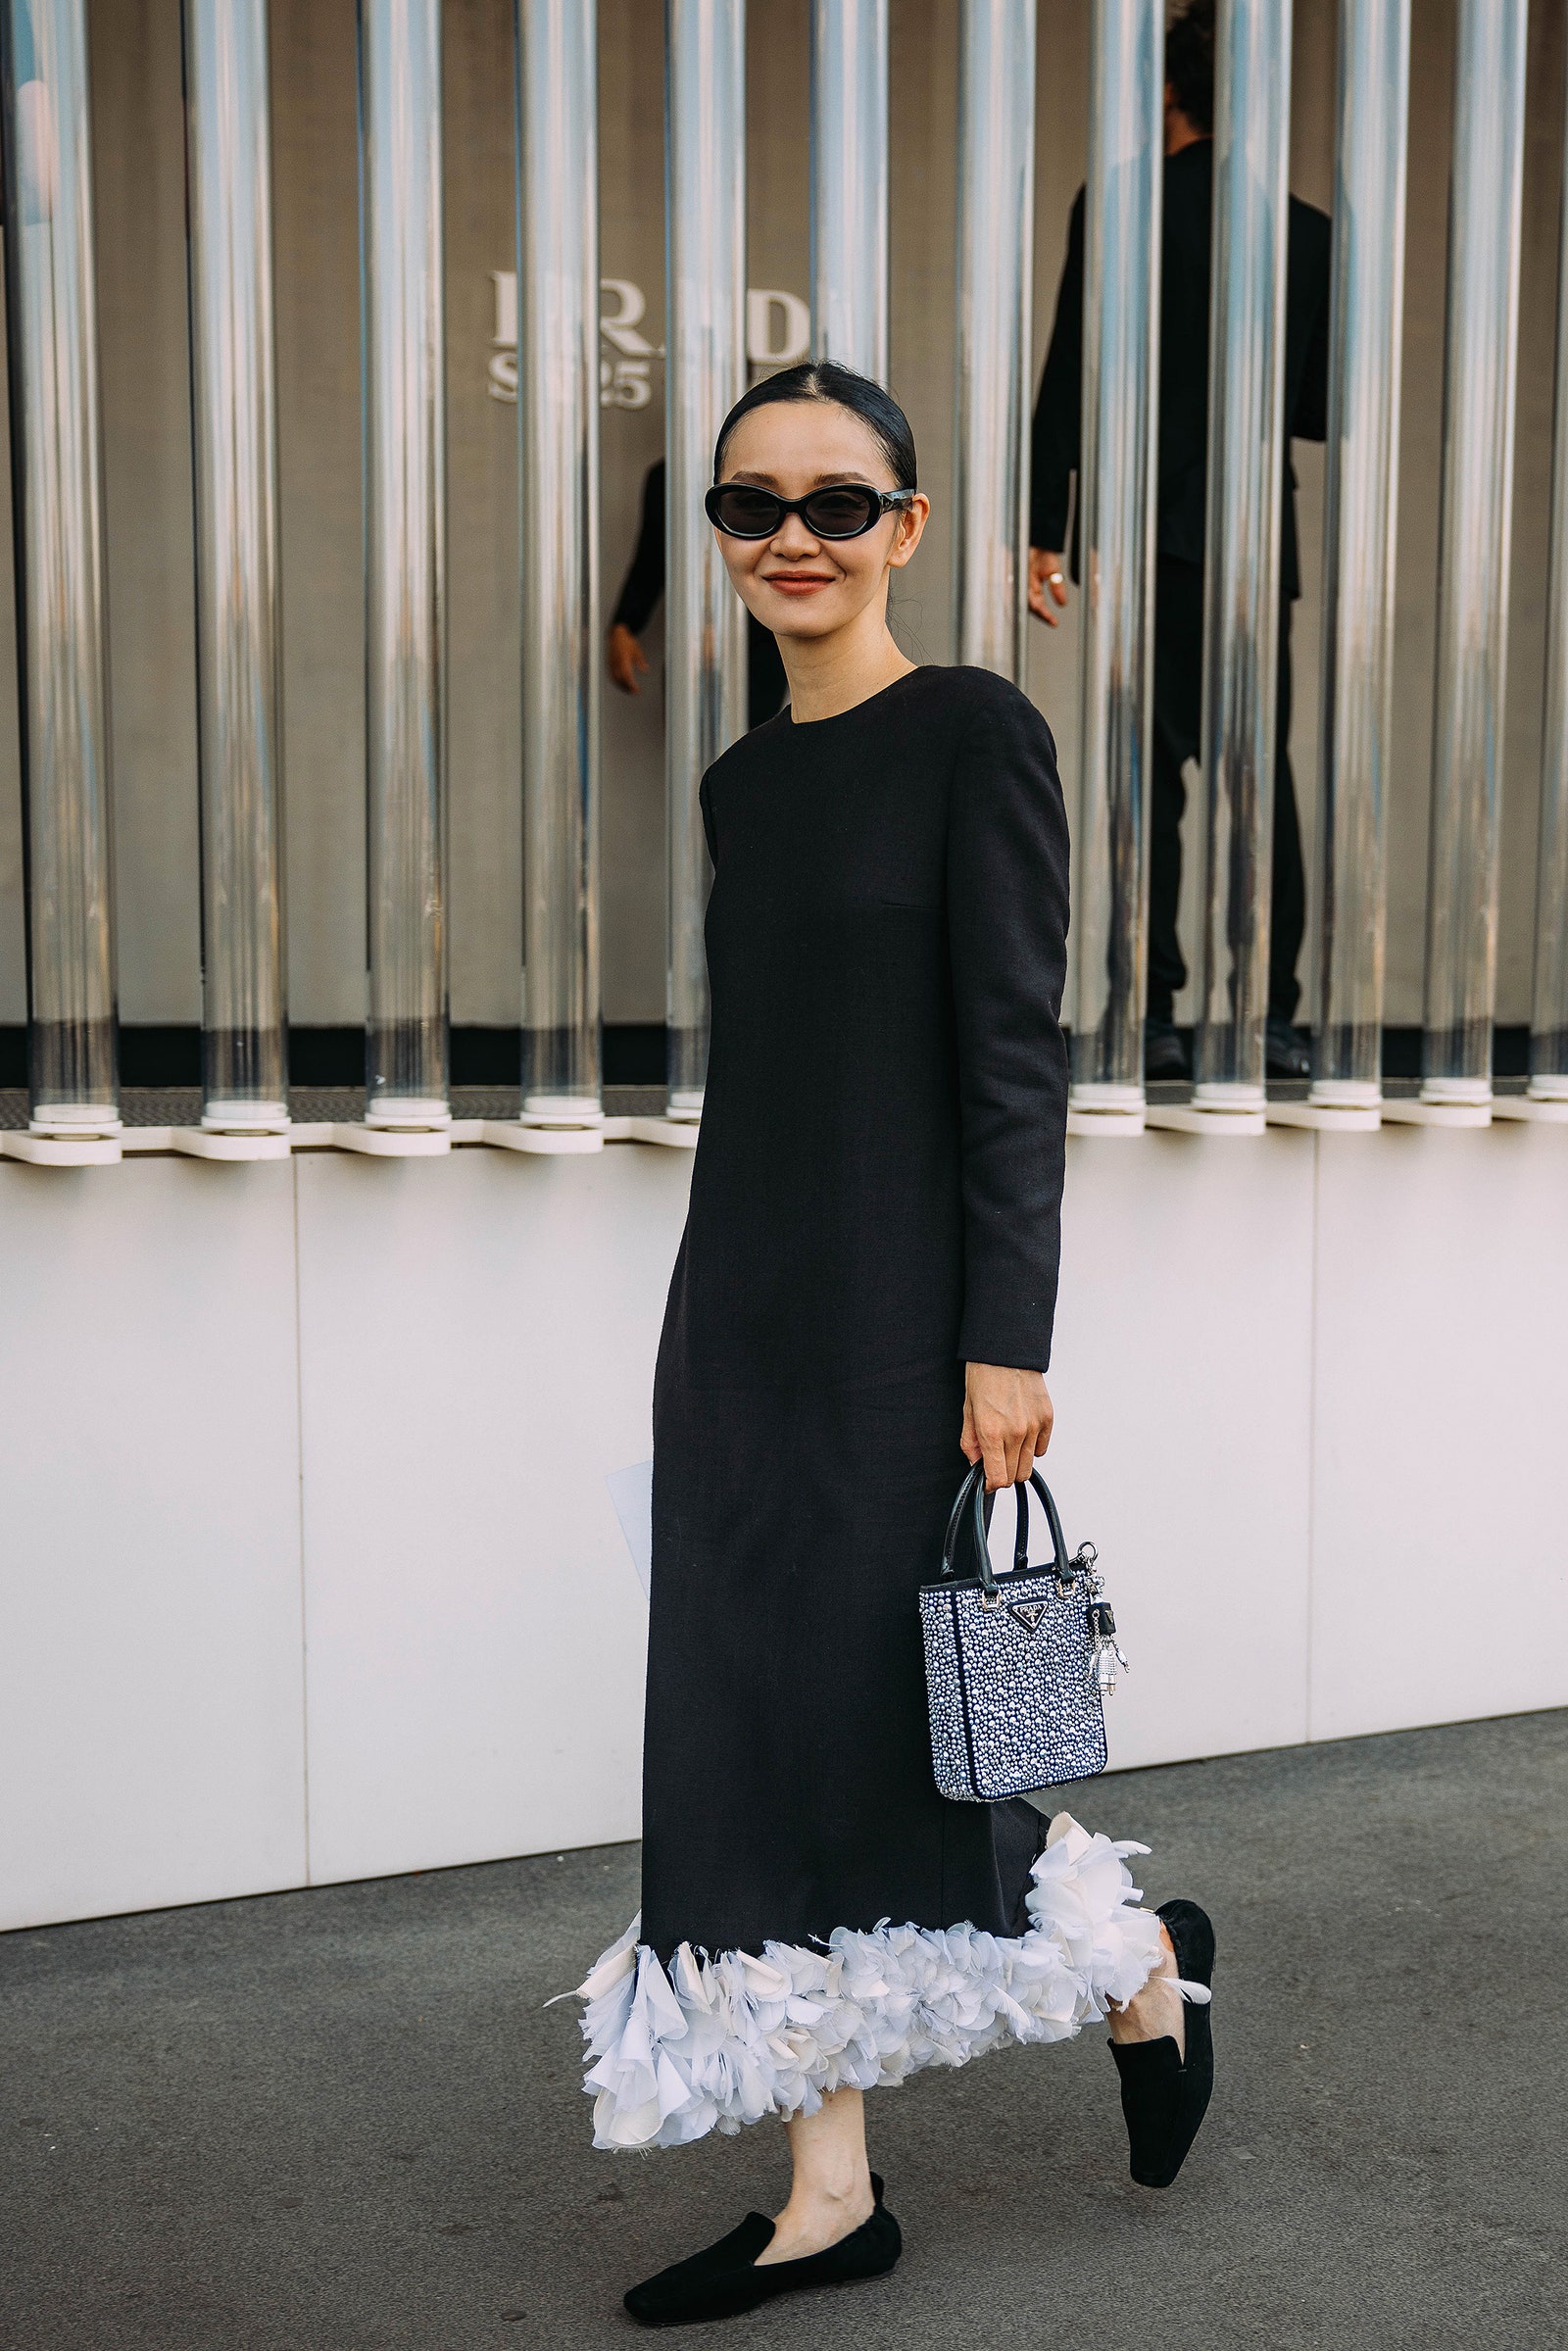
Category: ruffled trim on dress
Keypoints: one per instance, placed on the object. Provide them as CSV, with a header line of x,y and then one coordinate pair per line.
x,y
719,2042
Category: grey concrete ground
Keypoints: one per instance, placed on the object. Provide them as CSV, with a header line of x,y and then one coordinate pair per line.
x,y
344,2121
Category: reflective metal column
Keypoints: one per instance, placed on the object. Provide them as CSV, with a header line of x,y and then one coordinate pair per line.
x,y
1242,555
557,412
234,438
1359,521
705,636
1473,541
996,266
1116,475
1549,1024
405,559
850,184
61,641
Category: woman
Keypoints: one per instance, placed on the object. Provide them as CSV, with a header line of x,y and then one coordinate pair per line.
x,y
863,1299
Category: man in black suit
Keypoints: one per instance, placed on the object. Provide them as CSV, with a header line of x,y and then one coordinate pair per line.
x,y
1181,514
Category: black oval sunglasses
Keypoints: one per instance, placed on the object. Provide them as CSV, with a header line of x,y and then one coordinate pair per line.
x,y
842,509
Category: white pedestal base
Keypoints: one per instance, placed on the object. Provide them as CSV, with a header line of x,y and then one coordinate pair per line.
x,y
676,1134
1105,1123
513,1136
1329,1119
212,1143
62,1150
1542,1109
1438,1115
393,1142
1186,1118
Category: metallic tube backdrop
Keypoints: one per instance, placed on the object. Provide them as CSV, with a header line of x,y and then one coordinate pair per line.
x,y
1479,377
850,184
1116,491
234,454
1549,1023
1242,555
704,373
1360,523
994,356
402,368
57,500
557,412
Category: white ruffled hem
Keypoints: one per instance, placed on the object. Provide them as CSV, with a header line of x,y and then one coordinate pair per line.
x,y
733,2039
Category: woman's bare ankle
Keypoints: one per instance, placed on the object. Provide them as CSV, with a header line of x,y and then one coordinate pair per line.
x,y
818,2215
1155,2012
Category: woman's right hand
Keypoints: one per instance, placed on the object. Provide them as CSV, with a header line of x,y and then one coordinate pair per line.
x,y
1008,1418
628,660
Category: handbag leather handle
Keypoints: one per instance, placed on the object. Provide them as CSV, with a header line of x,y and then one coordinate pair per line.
x,y
973,1493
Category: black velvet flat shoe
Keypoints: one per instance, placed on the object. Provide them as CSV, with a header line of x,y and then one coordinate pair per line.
x,y
1163,2096
725,2278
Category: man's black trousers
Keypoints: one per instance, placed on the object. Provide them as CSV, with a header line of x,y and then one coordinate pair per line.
x,y
1178,726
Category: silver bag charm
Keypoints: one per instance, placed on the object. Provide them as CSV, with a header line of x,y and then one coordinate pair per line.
x,y
1016,1665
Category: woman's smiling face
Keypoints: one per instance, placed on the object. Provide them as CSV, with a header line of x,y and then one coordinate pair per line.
x,y
797,585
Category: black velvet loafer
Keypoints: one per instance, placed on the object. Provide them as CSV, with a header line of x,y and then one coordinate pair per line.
x,y
725,2279
1164,2096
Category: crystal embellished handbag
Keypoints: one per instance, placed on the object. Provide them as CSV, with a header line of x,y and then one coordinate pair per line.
x,y
1016,1665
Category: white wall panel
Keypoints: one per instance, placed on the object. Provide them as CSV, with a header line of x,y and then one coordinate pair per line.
x,y
1182,1380
151,1712
477,1340
1440,1415
474,1353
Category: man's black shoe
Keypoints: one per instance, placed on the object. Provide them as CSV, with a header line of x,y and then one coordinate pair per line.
x,y
1288,1056
1165,1054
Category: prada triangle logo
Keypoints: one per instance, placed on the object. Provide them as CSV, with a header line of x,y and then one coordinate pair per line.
x,y
1030,1614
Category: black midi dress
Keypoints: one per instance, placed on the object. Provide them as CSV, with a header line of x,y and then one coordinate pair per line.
x,y
875,1203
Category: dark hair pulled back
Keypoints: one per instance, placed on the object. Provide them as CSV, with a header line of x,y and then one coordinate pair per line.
x,y
1190,63
826,380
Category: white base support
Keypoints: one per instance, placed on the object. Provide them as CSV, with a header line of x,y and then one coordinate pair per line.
x,y
213,1143
1411,1113
1329,1119
510,1135
62,1150
393,1142
1106,1125
146,1139
311,1135
1542,1109
676,1134
1186,1118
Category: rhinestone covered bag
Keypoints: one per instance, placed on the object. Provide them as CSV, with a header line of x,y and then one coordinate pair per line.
x,y
1017,1666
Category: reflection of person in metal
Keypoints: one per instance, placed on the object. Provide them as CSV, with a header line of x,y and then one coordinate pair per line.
x,y
640,592
1183,490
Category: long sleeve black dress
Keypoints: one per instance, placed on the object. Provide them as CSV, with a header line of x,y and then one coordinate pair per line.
x,y
875,1201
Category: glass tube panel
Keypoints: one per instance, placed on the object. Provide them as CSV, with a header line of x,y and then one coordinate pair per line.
x,y
234,446
1116,494
403,362
850,184
1360,510
705,636
557,412
1480,374
1241,553
1549,1023
995,285
61,635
